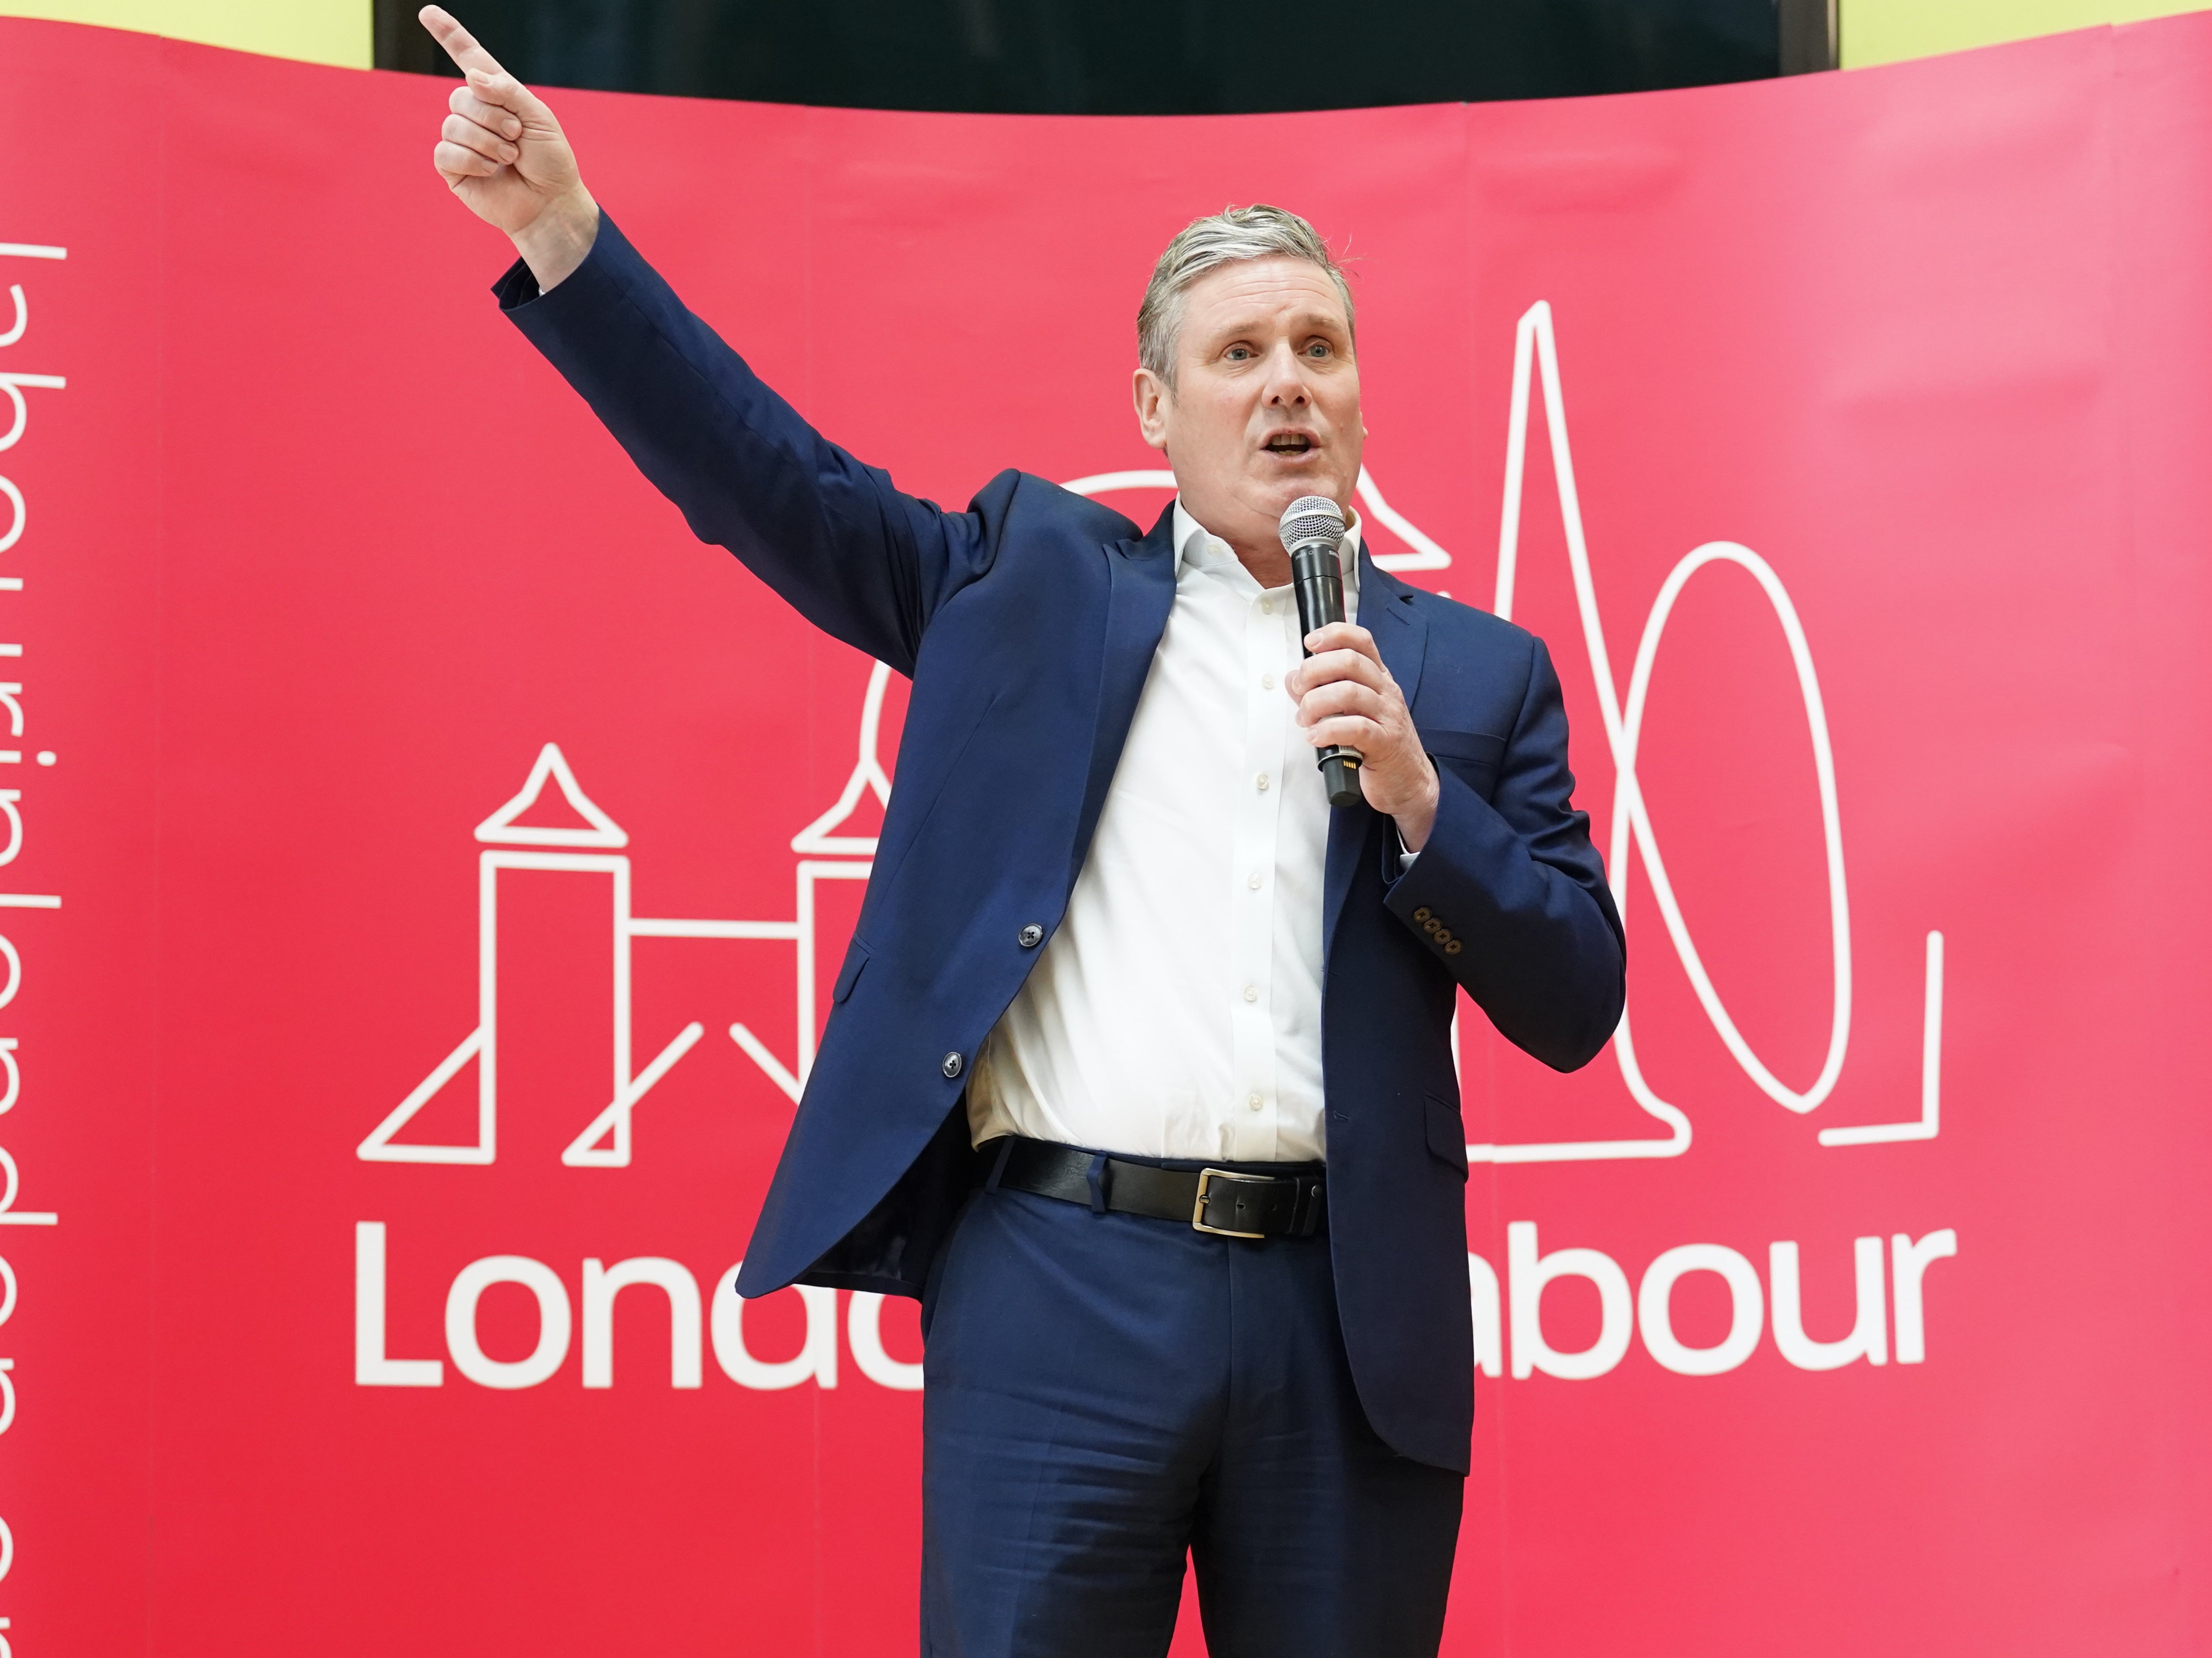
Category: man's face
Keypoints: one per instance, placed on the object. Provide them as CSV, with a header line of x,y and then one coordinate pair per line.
x,y
1265,406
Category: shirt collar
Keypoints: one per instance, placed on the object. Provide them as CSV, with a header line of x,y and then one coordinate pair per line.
x,y
1191,538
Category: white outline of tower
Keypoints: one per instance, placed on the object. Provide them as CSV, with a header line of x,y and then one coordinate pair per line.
x,y
849,858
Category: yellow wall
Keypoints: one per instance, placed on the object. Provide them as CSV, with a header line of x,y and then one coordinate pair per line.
x,y
321,30
1883,31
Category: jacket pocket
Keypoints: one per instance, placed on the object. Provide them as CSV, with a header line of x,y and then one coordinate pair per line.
x,y
1446,1133
1474,756
856,958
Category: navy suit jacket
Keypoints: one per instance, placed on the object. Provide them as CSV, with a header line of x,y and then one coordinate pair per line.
x,y
1027,623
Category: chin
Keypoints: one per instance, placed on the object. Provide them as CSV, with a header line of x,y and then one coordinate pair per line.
x,y
1335,488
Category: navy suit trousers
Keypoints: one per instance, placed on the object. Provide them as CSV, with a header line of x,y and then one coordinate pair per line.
x,y
1105,1393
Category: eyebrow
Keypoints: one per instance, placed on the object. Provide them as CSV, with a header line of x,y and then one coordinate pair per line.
x,y
1311,322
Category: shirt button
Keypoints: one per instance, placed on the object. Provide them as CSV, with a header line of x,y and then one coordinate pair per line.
x,y
1031,936
1267,681
1260,782
1253,880
1254,1102
1266,607
1251,992
953,1065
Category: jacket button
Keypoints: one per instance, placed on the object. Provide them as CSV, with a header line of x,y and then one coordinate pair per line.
x,y
1422,914
952,1065
1444,937
1454,948
1031,936
1429,924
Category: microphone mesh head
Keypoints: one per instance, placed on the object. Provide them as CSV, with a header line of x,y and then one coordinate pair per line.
x,y
1311,519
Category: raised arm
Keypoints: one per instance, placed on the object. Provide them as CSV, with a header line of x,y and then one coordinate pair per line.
x,y
852,554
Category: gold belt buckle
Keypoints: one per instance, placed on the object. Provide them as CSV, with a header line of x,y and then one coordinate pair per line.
x,y
1205,1177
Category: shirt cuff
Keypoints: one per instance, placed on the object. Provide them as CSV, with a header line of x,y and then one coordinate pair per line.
x,y
1404,858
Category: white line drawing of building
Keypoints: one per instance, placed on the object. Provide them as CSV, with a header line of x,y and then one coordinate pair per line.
x,y
824,854
1537,347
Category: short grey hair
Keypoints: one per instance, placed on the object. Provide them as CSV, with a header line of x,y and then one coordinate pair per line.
x,y
1229,237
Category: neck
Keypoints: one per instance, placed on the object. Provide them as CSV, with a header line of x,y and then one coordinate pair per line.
x,y
1268,565
1263,558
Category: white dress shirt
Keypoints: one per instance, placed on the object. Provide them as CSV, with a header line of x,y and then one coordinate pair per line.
x,y
1176,1013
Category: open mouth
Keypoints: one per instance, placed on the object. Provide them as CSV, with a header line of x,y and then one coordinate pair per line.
x,y
1289,443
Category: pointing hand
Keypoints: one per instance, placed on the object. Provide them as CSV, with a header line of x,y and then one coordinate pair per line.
x,y
503,154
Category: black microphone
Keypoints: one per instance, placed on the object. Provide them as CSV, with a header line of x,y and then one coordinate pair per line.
x,y
1313,529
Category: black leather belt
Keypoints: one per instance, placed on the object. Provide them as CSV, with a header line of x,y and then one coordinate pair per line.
x,y
1215,1200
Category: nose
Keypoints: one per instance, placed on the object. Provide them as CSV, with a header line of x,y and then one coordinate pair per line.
x,y
1286,379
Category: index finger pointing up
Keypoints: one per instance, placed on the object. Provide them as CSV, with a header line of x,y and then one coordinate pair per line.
x,y
485,77
464,48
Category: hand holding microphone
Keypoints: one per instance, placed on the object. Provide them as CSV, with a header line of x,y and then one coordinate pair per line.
x,y
1313,533
1351,708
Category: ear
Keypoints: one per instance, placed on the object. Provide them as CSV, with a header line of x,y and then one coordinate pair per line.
x,y
1155,403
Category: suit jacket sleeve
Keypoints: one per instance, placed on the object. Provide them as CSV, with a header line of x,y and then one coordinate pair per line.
x,y
856,557
1514,882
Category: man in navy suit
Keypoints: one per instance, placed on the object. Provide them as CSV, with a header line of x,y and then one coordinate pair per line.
x,y
1139,1072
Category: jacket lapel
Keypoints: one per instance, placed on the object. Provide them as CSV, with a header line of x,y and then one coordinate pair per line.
x,y
1389,610
1140,592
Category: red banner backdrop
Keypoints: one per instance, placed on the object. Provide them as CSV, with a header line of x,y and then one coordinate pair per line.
x,y
407,977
